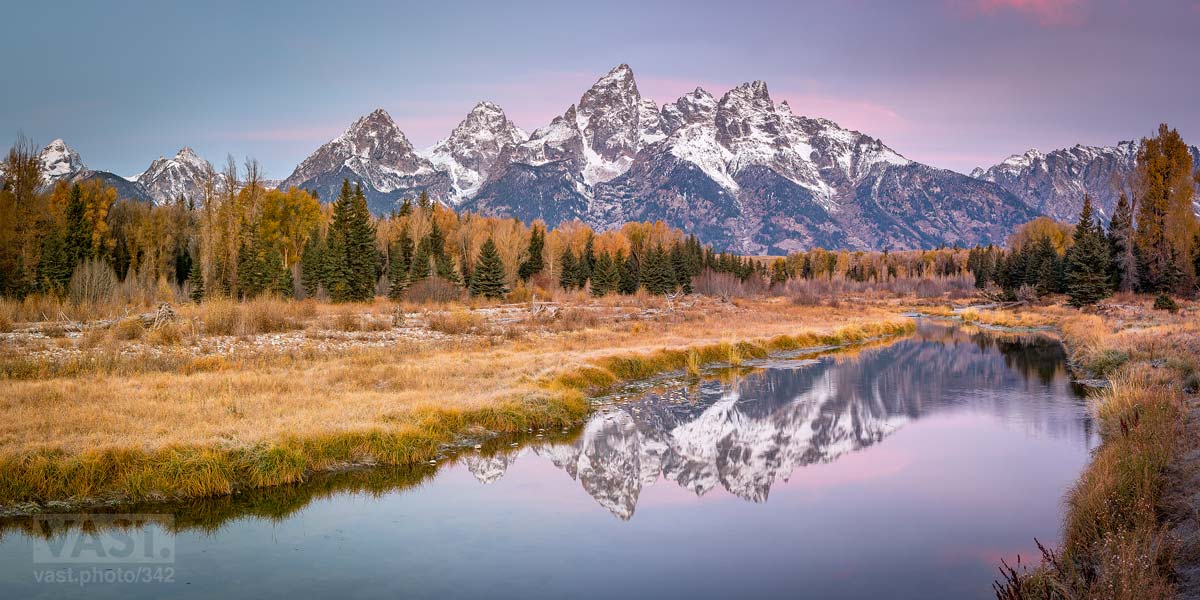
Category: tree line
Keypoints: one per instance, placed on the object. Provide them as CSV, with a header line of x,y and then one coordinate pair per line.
x,y
239,239
1150,245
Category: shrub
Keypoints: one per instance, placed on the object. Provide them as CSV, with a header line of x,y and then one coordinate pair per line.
x,y
433,290
93,282
1106,362
1165,302
129,329
168,334
455,322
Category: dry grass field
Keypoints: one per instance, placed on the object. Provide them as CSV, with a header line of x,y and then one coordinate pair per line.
x,y
230,395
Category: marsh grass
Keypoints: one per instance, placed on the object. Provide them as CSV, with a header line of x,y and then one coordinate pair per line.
x,y
1114,540
173,424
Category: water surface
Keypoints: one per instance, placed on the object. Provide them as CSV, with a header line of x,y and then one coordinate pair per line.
x,y
899,471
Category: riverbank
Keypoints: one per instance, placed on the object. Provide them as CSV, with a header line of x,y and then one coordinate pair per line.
x,y
220,402
1130,526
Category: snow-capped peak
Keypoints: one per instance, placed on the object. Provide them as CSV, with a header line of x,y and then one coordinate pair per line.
x,y
59,161
182,176
373,149
471,150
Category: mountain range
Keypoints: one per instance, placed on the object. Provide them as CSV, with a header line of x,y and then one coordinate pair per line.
x,y
742,172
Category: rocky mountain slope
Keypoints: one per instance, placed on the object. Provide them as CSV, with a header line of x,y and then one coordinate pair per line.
x,y
1054,183
372,152
181,176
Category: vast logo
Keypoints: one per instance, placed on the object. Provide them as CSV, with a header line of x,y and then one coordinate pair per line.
x,y
109,539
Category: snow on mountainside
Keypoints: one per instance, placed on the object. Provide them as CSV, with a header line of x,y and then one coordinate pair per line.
x,y
470,152
374,153
181,176
741,172
1054,183
59,161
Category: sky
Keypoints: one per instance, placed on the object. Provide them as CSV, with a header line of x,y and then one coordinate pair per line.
x,y
952,83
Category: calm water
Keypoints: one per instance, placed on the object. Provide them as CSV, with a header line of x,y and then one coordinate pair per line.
x,y
899,471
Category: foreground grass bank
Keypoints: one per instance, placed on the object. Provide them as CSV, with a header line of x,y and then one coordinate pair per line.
x,y
1116,541
97,435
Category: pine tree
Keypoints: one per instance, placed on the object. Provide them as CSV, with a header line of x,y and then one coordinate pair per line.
x,y
277,279
78,229
444,267
606,279
679,269
352,258
57,264
658,275
1047,277
569,276
628,273
422,261
1088,261
533,264
196,277
586,264
400,261
488,278
1120,241
312,264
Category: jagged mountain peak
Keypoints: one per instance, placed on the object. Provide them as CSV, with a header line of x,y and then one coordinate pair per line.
x,y
471,150
60,161
375,153
182,176
697,106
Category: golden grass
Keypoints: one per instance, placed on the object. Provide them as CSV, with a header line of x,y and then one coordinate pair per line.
x,y
1114,540
172,421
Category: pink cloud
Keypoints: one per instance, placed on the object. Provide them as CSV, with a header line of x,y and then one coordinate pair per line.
x,y
1047,13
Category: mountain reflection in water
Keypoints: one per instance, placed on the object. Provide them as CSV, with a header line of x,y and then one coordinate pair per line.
x,y
748,434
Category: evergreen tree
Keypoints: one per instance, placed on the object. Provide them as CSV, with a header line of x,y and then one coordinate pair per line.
x,y
1120,241
196,276
422,261
533,263
424,202
312,264
779,274
1048,275
606,278
679,269
277,278
569,276
57,264
444,267
628,273
488,278
1088,261
658,275
586,264
78,238
352,258
400,258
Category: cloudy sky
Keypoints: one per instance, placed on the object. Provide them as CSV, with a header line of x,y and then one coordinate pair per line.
x,y
954,83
